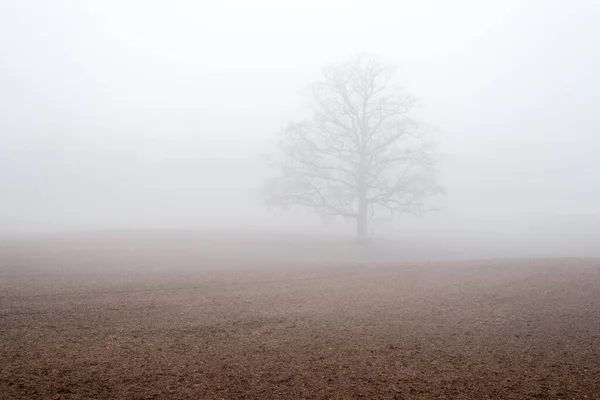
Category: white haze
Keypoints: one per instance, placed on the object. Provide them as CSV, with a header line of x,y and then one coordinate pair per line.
x,y
152,114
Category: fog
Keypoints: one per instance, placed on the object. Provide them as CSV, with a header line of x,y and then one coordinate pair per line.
x,y
153,114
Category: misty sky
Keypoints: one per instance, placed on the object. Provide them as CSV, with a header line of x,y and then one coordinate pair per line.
x,y
156,113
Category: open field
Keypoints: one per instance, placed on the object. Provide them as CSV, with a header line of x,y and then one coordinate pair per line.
x,y
117,318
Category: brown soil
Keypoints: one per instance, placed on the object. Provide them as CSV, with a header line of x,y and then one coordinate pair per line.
x,y
444,330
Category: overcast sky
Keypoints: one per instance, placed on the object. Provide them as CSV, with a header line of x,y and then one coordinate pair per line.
x,y
156,113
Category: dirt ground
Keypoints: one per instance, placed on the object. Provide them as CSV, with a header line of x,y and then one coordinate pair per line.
x,y
503,329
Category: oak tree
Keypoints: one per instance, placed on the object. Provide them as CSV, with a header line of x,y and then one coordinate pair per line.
x,y
360,153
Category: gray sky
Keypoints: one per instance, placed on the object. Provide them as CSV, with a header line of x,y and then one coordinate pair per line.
x,y
155,113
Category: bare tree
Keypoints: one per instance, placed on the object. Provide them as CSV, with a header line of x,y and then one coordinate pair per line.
x,y
359,153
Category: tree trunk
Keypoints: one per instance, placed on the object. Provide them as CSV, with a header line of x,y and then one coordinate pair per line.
x,y
361,228
362,234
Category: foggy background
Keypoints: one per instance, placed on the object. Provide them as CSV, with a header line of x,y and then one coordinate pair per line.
x,y
155,114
